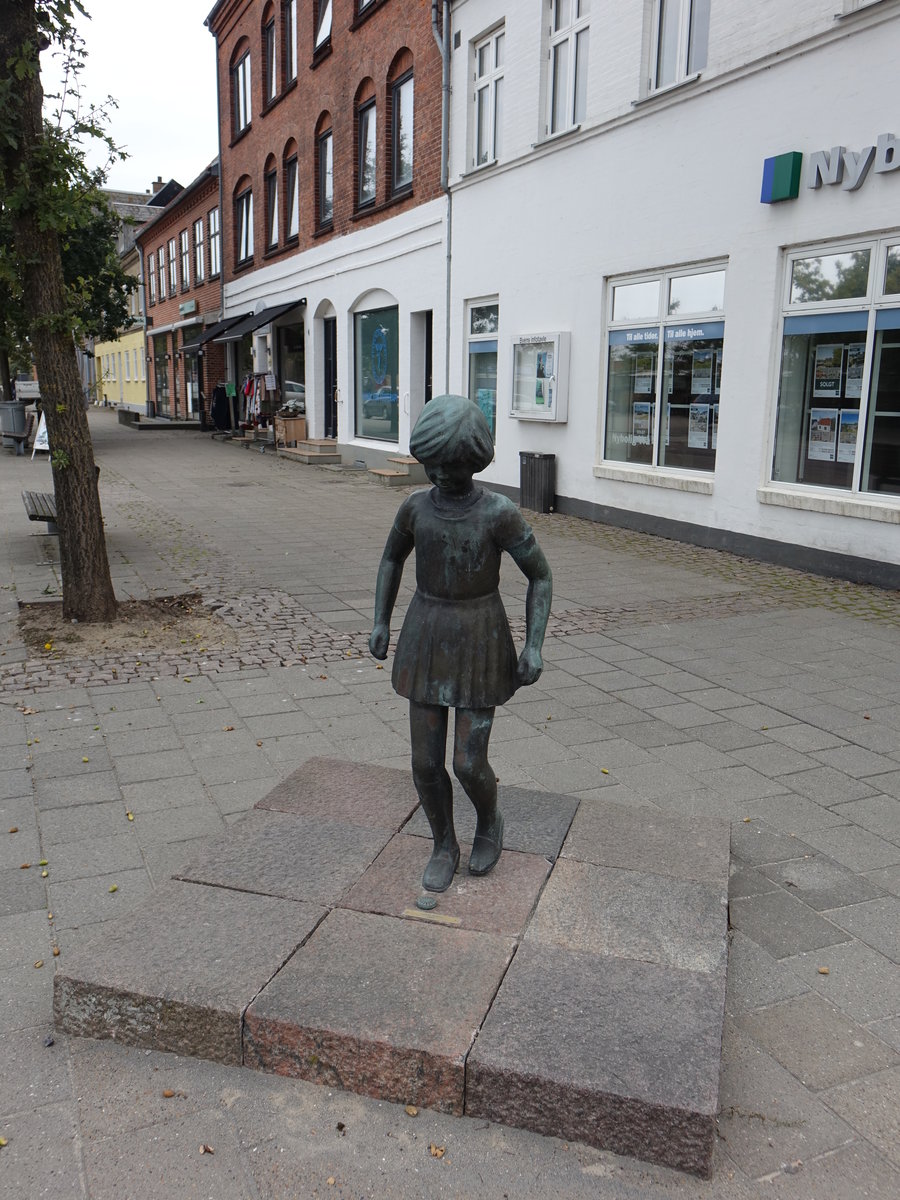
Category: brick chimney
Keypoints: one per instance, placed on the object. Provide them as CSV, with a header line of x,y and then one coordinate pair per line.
x,y
157,184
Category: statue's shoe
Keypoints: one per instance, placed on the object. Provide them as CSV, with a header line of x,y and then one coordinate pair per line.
x,y
441,869
487,847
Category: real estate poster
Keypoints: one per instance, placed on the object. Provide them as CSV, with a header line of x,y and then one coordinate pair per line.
x,y
701,372
829,365
644,367
847,431
714,432
718,385
698,426
856,356
641,415
822,434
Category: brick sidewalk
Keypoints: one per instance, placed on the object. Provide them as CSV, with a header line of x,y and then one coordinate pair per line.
x,y
677,678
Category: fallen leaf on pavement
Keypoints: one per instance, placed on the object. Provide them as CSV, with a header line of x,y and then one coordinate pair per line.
x,y
411,1110
437,1151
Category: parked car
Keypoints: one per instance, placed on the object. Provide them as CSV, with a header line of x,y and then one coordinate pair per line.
x,y
293,396
380,404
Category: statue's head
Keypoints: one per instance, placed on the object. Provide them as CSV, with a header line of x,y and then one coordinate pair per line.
x,y
452,429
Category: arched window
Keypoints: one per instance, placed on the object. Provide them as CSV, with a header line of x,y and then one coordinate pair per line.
x,y
324,172
291,193
243,221
240,87
366,143
269,54
270,180
400,137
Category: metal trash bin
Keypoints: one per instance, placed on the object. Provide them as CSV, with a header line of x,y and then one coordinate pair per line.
x,y
12,419
537,481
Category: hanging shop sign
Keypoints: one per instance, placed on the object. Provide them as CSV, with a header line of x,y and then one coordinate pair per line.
x,y
836,167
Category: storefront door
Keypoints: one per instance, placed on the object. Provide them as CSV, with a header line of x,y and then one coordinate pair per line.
x,y
331,378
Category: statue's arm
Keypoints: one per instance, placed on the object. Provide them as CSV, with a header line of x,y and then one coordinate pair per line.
x,y
390,572
529,558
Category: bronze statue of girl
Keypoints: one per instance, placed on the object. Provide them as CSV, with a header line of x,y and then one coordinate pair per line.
x,y
455,649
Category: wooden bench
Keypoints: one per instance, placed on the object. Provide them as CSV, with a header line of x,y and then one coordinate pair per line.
x,y
21,440
41,506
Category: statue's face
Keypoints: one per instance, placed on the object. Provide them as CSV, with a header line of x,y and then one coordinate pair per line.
x,y
453,478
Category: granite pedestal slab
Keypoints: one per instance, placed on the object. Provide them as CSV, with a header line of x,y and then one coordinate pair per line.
x,y
577,990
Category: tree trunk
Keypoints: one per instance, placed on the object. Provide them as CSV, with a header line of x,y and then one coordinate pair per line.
x,y
87,587
5,379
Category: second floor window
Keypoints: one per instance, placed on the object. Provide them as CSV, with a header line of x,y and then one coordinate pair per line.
x,y
185,252
569,45
161,259
290,41
681,36
241,83
151,278
323,24
291,198
367,143
402,133
271,209
488,97
243,226
326,179
215,243
271,60
173,267
199,264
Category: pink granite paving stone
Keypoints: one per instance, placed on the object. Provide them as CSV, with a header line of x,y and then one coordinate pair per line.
x,y
346,791
500,902
379,1006
178,973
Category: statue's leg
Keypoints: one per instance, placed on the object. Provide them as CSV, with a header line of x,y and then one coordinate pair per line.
x,y
428,735
475,773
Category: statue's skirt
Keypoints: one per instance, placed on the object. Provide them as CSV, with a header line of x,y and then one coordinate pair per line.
x,y
455,653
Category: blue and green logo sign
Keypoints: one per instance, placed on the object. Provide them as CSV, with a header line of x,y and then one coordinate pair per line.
x,y
781,177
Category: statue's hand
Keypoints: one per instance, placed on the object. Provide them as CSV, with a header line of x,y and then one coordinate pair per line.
x,y
530,666
378,642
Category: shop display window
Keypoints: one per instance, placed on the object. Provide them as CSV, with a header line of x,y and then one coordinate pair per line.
x,y
376,383
838,417
664,370
483,323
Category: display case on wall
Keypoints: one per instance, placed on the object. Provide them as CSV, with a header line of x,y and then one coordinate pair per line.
x,y
540,374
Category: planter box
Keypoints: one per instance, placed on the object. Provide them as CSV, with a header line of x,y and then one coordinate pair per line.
x,y
290,430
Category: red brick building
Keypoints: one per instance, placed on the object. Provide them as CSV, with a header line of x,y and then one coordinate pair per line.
x,y
181,252
332,206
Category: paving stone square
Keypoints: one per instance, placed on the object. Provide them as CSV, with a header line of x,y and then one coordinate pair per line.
x,y
357,793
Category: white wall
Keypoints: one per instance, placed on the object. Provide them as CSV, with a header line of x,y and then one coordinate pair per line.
x,y
673,183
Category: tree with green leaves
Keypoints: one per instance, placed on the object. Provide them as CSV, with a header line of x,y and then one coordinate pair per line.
x,y
50,211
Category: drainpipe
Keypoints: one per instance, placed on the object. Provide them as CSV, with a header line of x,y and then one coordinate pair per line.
x,y
442,38
140,251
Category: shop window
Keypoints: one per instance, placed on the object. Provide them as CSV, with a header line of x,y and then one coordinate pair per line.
x,y
290,41
173,266
366,127
270,58
681,36
161,374
664,370
292,367
323,25
483,322
215,243
199,257
291,199
376,384
184,245
243,226
151,279
838,419
271,182
325,178
402,133
569,45
240,85
488,98
161,259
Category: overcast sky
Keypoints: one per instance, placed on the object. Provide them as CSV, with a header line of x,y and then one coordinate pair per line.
x,y
158,62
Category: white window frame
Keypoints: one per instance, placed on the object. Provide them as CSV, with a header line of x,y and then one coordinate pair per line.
x,y
685,69
184,245
367,134
292,198
173,266
242,100
655,472
290,41
398,93
487,89
568,35
490,338
270,50
151,278
127,366
161,265
270,179
199,263
214,226
243,206
325,176
323,25
143,359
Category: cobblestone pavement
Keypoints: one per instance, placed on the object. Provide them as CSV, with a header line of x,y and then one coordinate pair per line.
x,y
677,678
